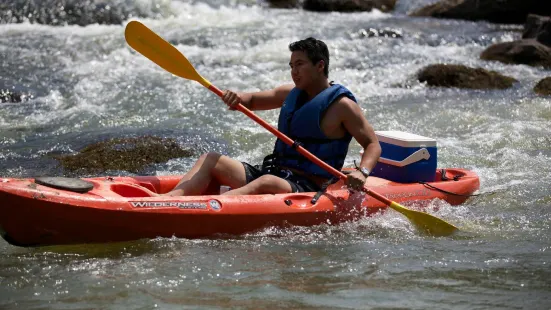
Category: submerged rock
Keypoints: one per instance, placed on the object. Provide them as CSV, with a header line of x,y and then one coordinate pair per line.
x,y
534,49
463,77
348,5
386,32
502,11
544,87
71,12
129,154
7,95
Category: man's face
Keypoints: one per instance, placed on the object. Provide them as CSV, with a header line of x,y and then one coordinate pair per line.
x,y
303,71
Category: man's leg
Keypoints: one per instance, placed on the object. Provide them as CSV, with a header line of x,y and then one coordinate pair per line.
x,y
266,184
210,166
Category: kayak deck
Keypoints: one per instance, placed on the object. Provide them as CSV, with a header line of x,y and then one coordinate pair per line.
x,y
122,208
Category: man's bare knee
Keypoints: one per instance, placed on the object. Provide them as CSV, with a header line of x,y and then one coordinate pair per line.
x,y
208,161
210,157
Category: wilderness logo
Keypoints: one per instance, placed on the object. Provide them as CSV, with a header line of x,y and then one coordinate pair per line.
x,y
169,204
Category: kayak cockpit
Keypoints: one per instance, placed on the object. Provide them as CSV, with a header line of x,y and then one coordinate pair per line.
x,y
132,190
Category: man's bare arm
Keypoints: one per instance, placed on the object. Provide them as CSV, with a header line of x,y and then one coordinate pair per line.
x,y
267,99
358,126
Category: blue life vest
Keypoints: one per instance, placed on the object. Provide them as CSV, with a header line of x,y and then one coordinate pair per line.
x,y
300,121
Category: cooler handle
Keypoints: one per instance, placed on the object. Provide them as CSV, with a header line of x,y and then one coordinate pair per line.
x,y
413,158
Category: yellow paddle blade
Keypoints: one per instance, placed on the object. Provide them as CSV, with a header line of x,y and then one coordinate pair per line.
x,y
152,46
426,222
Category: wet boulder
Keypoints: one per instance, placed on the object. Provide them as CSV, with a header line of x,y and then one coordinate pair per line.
x,y
71,12
528,51
544,87
533,49
348,5
502,12
538,28
124,154
284,4
460,76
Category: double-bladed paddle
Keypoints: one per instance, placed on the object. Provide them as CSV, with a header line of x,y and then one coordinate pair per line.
x,y
152,46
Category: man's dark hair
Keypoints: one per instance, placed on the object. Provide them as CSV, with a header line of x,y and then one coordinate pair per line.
x,y
316,50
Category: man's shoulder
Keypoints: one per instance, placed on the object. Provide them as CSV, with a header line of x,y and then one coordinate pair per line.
x,y
282,91
345,102
285,87
345,107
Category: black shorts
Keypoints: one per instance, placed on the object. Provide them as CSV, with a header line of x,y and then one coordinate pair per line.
x,y
299,184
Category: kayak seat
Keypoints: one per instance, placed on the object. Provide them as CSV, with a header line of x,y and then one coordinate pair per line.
x,y
130,190
68,184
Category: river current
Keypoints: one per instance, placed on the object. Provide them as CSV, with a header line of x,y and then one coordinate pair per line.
x,y
88,85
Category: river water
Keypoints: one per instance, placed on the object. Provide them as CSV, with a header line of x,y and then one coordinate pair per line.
x,y
88,85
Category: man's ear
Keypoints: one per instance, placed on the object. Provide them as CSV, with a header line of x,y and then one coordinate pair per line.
x,y
321,65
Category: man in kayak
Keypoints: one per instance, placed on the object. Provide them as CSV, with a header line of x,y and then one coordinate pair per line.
x,y
321,116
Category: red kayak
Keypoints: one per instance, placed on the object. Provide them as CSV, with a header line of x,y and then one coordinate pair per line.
x,y
50,211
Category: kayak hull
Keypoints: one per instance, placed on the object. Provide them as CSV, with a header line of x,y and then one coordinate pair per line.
x,y
119,209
